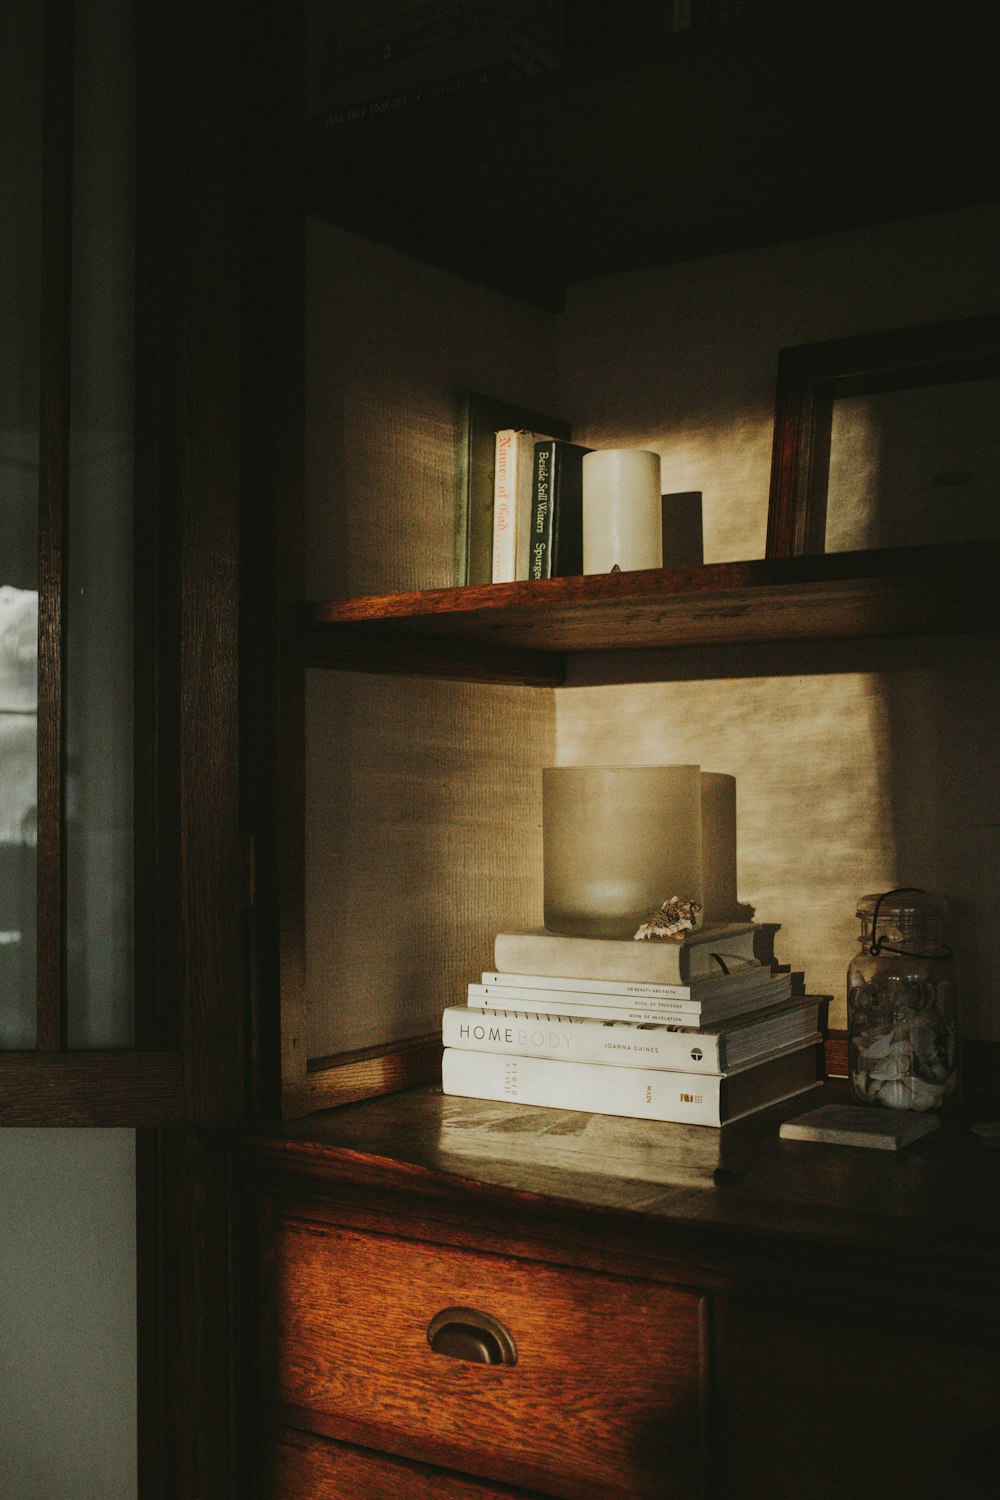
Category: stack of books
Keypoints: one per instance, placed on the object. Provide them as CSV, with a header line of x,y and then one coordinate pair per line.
x,y
694,1031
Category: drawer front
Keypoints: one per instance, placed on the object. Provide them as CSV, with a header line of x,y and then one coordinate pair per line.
x,y
605,1397
314,1468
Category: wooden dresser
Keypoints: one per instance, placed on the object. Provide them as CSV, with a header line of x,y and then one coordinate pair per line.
x,y
464,1299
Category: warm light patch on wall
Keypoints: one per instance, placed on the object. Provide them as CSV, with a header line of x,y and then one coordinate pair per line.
x,y
811,760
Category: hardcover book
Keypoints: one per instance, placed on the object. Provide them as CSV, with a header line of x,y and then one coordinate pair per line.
x,y
556,543
706,950
635,1044
641,1093
512,491
483,418
740,976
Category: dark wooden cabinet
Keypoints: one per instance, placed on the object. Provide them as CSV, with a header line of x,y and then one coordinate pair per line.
x,y
725,1314
704,1317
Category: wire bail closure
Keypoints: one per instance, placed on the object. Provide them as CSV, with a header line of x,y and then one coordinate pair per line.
x,y
880,944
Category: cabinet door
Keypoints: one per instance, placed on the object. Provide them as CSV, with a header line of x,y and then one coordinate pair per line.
x,y
821,1409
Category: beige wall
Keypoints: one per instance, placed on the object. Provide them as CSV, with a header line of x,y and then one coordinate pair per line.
x,y
857,766
424,803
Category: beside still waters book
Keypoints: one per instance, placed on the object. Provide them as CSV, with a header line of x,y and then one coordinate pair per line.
x,y
635,1044
556,540
641,1093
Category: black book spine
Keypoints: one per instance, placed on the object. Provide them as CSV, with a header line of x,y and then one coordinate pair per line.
x,y
566,510
540,554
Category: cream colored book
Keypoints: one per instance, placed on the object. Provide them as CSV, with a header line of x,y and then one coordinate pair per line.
x,y
641,1093
706,950
635,1044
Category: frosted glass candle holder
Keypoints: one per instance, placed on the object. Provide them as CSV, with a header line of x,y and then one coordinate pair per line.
x,y
617,842
718,847
622,510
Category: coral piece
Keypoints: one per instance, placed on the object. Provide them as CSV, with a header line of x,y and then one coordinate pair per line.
x,y
671,920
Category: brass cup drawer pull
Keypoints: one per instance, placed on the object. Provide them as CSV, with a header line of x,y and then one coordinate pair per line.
x,y
466,1333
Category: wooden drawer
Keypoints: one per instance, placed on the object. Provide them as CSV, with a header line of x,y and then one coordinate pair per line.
x,y
314,1468
606,1397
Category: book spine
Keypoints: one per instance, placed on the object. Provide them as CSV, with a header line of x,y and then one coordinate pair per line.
x,y
523,503
639,1093
383,106
747,975
625,1044
504,503
540,550
666,1013
567,510
598,958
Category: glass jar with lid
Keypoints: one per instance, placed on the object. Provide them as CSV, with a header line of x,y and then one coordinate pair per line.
x,y
902,1004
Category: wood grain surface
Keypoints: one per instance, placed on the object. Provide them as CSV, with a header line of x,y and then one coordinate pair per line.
x,y
892,591
305,1467
605,1399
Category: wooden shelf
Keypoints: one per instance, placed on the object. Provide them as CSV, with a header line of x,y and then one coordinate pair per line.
x,y
522,632
806,118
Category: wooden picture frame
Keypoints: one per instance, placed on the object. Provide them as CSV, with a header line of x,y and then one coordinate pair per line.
x,y
812,376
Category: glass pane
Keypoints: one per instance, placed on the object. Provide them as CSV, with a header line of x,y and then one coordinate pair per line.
x,y
99,584
20,227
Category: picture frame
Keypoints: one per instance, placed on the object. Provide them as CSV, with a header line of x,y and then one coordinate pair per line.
x,y
812,377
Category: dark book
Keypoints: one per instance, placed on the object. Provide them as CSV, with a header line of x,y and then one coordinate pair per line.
x,y
484,418
557,512
438,91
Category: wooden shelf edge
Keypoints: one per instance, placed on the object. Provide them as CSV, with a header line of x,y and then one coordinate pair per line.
x,y
371,1071
521,631
353,648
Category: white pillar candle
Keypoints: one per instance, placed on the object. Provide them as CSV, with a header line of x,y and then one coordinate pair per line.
x,y
622,511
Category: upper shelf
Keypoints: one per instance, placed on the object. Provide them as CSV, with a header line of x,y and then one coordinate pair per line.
x,y
806,117
522,632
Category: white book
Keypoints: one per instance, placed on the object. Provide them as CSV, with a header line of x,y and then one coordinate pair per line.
x,y
741,976
634,1044
641,1093
630,1007
513,486
653,961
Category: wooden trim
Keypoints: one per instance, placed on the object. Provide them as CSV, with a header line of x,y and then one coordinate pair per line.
x,y
156,555
272,702
90,1088
812,376
192,905
197,1411
835,1054
354,649
54,403
373,1070
843,595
